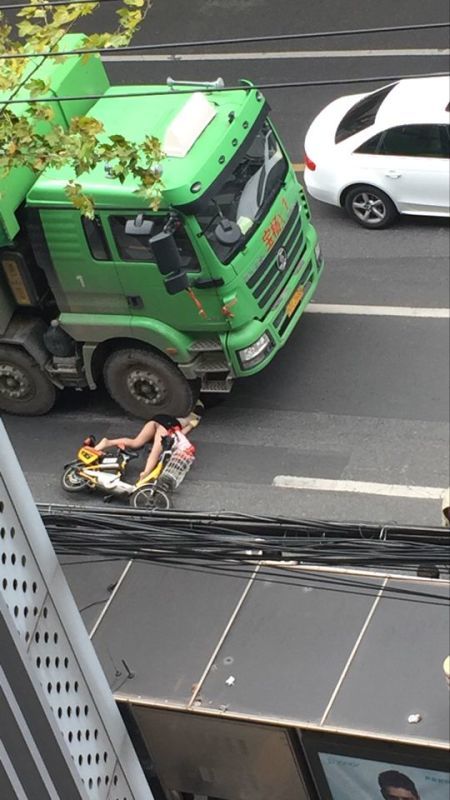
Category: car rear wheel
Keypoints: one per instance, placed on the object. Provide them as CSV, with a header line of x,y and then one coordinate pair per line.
x,y
370,207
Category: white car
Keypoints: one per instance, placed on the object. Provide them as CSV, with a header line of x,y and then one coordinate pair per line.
x,y
383,153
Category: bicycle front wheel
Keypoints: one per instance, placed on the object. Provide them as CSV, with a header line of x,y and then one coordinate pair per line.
x,y
150,498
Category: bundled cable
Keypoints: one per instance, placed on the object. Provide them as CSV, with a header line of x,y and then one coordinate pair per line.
x,y
236,544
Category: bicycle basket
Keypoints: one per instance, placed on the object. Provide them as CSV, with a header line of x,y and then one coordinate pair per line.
x,y
175,471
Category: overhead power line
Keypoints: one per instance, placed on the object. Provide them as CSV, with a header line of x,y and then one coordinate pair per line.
x,y
276,37
242,88
232,545
14,6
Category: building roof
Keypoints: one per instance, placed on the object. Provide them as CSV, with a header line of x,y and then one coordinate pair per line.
x,y
324,649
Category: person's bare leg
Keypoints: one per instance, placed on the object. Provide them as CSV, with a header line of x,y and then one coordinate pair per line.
x,y
155,453
145,435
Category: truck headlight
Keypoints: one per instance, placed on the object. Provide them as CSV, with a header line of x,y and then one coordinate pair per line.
x,y
256,352
318,254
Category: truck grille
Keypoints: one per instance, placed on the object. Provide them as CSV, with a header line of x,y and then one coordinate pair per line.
x,y
268,278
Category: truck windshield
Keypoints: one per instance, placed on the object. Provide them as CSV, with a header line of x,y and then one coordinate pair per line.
x,y
246,193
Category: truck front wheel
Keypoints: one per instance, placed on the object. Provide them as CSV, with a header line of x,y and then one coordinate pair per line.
x,y
144,384
24,388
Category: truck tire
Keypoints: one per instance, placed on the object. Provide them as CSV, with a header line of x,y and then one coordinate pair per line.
x,y
144,384
24,388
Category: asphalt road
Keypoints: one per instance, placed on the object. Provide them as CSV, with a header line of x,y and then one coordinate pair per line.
x,y
351,397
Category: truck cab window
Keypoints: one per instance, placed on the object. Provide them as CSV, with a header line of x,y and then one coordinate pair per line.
x,y
132,247
95,237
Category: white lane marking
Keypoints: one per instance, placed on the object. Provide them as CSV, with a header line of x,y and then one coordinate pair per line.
x,y
278,55
358,487
379,311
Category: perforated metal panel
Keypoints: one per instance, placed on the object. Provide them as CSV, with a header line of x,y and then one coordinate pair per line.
x,y
58,649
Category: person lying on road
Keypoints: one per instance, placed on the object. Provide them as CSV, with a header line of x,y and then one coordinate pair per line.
x,y
161,425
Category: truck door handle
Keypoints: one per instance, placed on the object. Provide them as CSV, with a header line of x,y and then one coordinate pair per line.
x,y
393,174
135,301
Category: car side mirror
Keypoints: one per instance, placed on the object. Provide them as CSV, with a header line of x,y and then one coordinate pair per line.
x,y
139,226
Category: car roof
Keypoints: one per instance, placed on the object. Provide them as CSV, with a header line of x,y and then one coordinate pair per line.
x,y
416,100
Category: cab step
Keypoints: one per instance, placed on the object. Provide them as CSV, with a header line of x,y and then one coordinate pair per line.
x,y
214,385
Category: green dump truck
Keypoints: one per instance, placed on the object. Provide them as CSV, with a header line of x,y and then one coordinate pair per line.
x,y
157,306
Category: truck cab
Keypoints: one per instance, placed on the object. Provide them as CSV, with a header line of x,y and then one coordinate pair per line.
x,y
157,304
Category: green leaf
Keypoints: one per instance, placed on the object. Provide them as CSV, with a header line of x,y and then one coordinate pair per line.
x,y
84,204
39,111
36,87
87,126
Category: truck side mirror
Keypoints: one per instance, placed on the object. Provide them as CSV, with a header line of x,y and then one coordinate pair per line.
x,y
139,226
166,253
168,261
176,283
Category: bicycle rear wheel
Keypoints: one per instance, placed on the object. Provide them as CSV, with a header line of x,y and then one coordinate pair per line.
x,y
150,498
72,481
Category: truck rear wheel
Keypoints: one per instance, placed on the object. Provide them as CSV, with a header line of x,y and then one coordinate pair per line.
x,y
24,388
144,384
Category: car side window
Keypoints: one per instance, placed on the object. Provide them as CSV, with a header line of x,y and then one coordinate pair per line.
x,y
371,146
133,247
414,141
445,138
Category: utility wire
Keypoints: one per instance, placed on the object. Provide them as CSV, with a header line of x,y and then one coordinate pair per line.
x,y
280,37
284,575
14,6
300,580
243,88
235,542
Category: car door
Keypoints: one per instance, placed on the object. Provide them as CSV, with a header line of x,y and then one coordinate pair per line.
x,y
411,164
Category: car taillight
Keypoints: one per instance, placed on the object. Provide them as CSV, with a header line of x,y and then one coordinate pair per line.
x,y
309,164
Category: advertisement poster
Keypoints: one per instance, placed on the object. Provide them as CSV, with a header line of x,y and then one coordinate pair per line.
x,y
361,779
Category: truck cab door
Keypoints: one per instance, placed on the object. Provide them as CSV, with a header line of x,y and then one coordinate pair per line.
x,y
75,256
143,285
